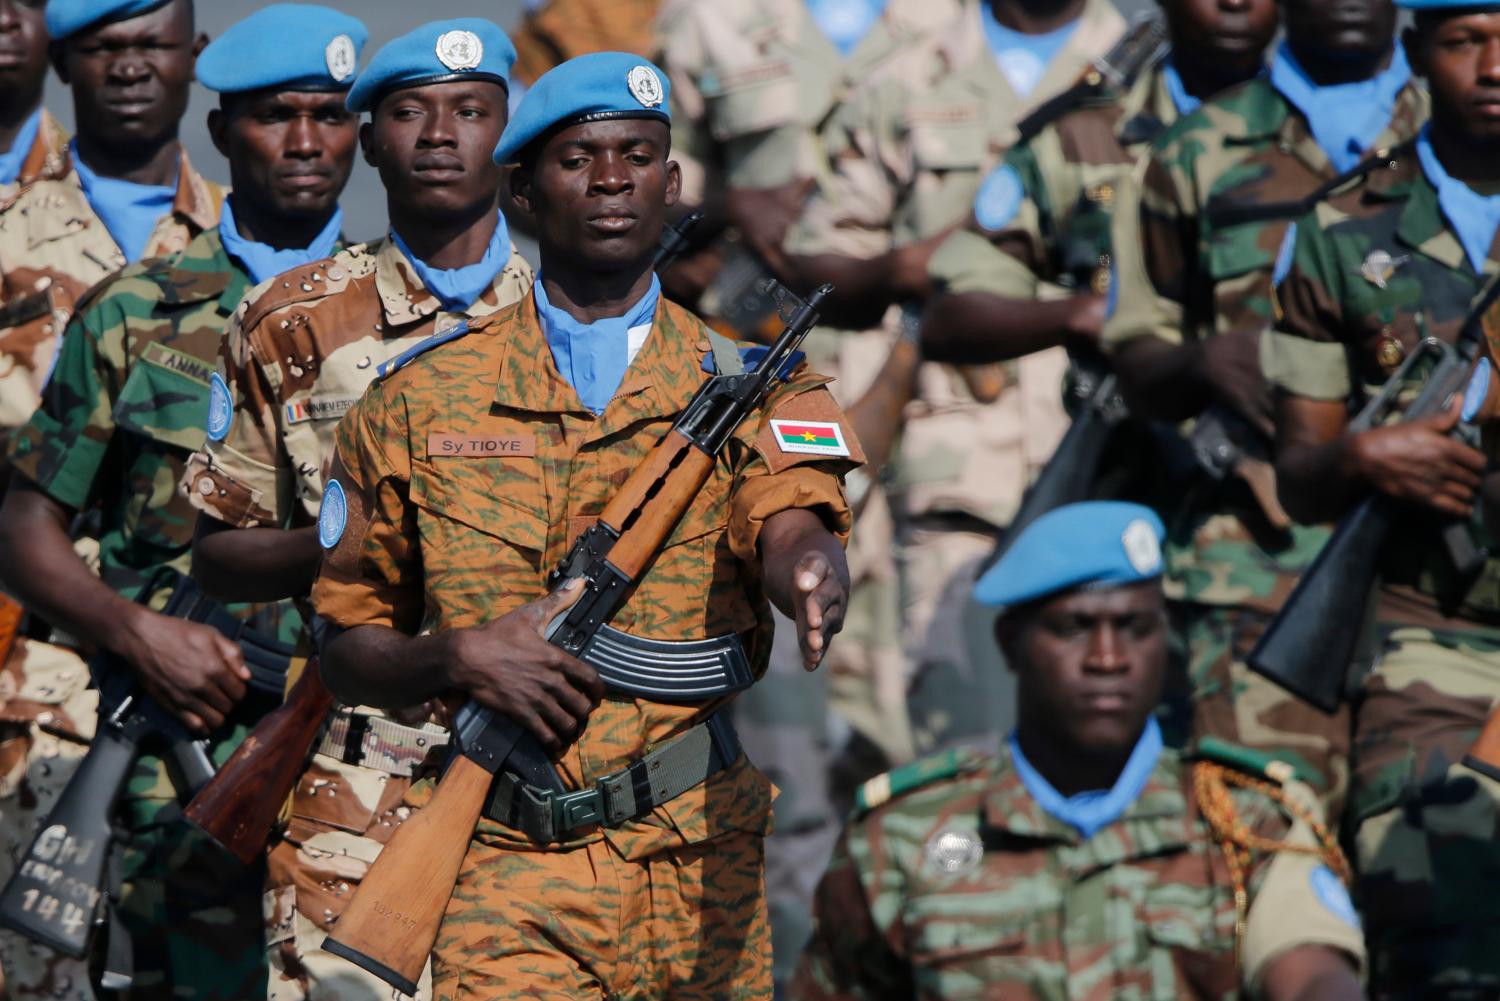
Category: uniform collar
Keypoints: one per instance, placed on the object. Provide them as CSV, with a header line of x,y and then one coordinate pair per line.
x,y
195,200
1099,26
1157,821
1466,213
405,299
48,156
1289,129
1090,812
1421,227
202,272
659,383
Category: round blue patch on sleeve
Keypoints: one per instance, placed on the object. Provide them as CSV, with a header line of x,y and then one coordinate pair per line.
x,y
999,198
1478,391
333,515
220,408
1334,895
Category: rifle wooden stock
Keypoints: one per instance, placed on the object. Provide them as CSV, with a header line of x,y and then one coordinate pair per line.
x,y
11,614
239,807
400,904
1484,756
1307,648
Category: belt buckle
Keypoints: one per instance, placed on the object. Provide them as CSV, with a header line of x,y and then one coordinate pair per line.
x,y
572,810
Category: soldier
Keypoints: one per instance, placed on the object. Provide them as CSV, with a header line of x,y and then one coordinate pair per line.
x,y
1395,256
1216,199
1029,270
752,81
297,355
124,409
907,153
1086,860
55,244
585,374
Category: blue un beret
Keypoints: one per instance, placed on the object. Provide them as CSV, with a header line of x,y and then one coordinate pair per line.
x,y
1102,543
591,88
1453,5
69,17
462,48
292,46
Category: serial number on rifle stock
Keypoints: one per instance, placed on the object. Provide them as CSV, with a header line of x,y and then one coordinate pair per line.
x,y
47,907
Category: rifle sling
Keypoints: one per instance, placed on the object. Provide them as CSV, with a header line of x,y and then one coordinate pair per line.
x,y
628,794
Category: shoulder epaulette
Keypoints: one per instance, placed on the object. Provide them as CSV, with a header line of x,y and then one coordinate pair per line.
x,y
899,781
1108,79
389,368
1224,212
309,282
1260,764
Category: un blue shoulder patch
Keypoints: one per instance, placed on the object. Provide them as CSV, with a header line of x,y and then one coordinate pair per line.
x,y
1332,894
220,408
1478,391
999,198
333,515
389,368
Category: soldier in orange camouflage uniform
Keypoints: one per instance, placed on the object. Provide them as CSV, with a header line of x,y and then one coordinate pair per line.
x,y
297,355
577,383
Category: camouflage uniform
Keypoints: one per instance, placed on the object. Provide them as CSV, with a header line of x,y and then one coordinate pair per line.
x,y
751,83
670,904
1196,271
54,248
561,29
907,153
299,352
1424,827
124,409
963,887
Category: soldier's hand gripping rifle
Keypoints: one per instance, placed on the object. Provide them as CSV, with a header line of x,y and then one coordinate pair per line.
x,y
1310,643
392,922
239,808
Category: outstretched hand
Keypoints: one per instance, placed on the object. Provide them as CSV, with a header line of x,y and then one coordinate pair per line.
x,y
807,577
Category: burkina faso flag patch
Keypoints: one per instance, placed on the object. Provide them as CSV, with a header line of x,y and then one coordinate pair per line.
x,y
810,437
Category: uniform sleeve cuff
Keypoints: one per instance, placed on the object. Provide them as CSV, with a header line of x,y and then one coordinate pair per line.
x,y
798,488
967,262
64,466
1318,370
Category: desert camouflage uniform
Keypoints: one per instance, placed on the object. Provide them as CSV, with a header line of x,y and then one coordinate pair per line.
x,y
1424,827
126,406
671,904
752,82
54,248
908,151
963,887
559,30
298,353
1185,271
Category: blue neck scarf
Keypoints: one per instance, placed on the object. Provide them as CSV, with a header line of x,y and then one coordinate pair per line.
x,y
1023,59
1089,812
130,211
1184,102
12,159
1346,118
1474,217
459,288
593,356
263,261
846,22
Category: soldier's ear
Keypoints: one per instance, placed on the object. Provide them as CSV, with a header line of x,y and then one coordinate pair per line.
x,y
520,187
1007,638
200,42
674,182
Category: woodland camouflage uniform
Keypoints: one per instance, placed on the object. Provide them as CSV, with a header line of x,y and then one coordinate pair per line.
x,y
1424,827
53,248
674,901
297,355
1185,270
125,407
907,153
952,881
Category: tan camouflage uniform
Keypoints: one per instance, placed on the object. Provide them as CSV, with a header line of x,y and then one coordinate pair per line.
x,y
752,82
908,152
668,905
1376,270
1181,276
298,354
963,887
54,248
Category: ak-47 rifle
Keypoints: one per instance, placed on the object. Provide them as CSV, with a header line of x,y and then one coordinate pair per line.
x,y
1310,643
392,922
239,808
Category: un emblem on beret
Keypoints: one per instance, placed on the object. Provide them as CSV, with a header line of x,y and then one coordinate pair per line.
x,y
1141,547
953,852
644,86
460,50
340,58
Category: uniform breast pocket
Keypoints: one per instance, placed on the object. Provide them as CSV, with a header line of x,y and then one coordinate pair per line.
x,y
1246,248
944,139
483,528
754,99
969,958
1189,942
165,404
